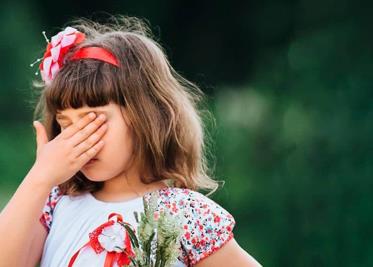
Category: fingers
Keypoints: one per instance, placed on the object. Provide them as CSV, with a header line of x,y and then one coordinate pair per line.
x,y
90,153
74,128
82,135
90,142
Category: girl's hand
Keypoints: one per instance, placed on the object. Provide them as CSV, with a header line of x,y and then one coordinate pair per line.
x,y
59,159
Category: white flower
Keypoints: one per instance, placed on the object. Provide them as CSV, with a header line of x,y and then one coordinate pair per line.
x,y
112,238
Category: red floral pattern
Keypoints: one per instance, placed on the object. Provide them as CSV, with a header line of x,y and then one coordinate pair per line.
x,y
207,226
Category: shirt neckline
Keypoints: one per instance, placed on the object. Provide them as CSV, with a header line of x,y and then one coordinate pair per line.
x,y
125,202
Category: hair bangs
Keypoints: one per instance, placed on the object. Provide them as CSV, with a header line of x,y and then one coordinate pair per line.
x,y
83,83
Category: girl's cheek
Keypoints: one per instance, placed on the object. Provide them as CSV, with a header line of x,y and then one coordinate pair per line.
x,y
107,131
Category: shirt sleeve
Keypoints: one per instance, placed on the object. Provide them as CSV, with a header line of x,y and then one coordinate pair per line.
x,y
208,226
48,209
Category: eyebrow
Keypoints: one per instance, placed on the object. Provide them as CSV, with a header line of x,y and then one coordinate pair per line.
x,y
82,114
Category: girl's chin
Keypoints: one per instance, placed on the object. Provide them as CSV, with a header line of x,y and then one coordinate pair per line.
x,y
93,174
94,178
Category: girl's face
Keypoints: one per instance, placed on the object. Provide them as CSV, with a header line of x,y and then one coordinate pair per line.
x,y
115,156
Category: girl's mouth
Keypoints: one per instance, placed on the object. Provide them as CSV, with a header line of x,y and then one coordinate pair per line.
x,y
91,161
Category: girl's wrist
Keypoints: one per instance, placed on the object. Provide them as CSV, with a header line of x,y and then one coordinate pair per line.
x,y
38,177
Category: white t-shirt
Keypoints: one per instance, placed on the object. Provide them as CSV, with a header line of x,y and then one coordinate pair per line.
x,y
69,220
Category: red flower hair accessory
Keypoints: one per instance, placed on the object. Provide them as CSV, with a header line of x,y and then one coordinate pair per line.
x,y
54,56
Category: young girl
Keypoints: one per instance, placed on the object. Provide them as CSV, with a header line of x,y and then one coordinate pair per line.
x,y
119,124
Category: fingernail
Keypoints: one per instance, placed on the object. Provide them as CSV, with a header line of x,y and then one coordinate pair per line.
x,y
92,115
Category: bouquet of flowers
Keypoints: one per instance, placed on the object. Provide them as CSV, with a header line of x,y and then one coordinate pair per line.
x,y
158,241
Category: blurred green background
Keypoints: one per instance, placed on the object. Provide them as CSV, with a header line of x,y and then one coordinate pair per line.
x,y
290,84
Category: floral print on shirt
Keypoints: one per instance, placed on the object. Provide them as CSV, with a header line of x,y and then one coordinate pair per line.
x,y
207,226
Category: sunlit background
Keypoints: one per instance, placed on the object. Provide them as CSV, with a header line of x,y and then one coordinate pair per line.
x,y
290,85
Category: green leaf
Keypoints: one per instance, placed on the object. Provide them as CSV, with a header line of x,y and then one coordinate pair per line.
x,y
132,235
147,247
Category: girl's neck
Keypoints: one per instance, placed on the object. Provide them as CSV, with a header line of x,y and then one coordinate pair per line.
x,y
124,193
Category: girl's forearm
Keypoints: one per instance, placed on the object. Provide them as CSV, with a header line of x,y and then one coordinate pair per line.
x,y
19,216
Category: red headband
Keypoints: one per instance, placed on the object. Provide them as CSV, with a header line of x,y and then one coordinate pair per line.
x,y
61,43
95,53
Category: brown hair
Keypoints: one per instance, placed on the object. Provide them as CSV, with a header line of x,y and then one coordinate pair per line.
x,y
162,106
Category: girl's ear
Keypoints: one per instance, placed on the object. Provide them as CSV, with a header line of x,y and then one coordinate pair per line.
x,y
41,136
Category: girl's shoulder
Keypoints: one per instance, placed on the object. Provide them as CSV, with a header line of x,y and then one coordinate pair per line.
x,y
183,200
207,226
